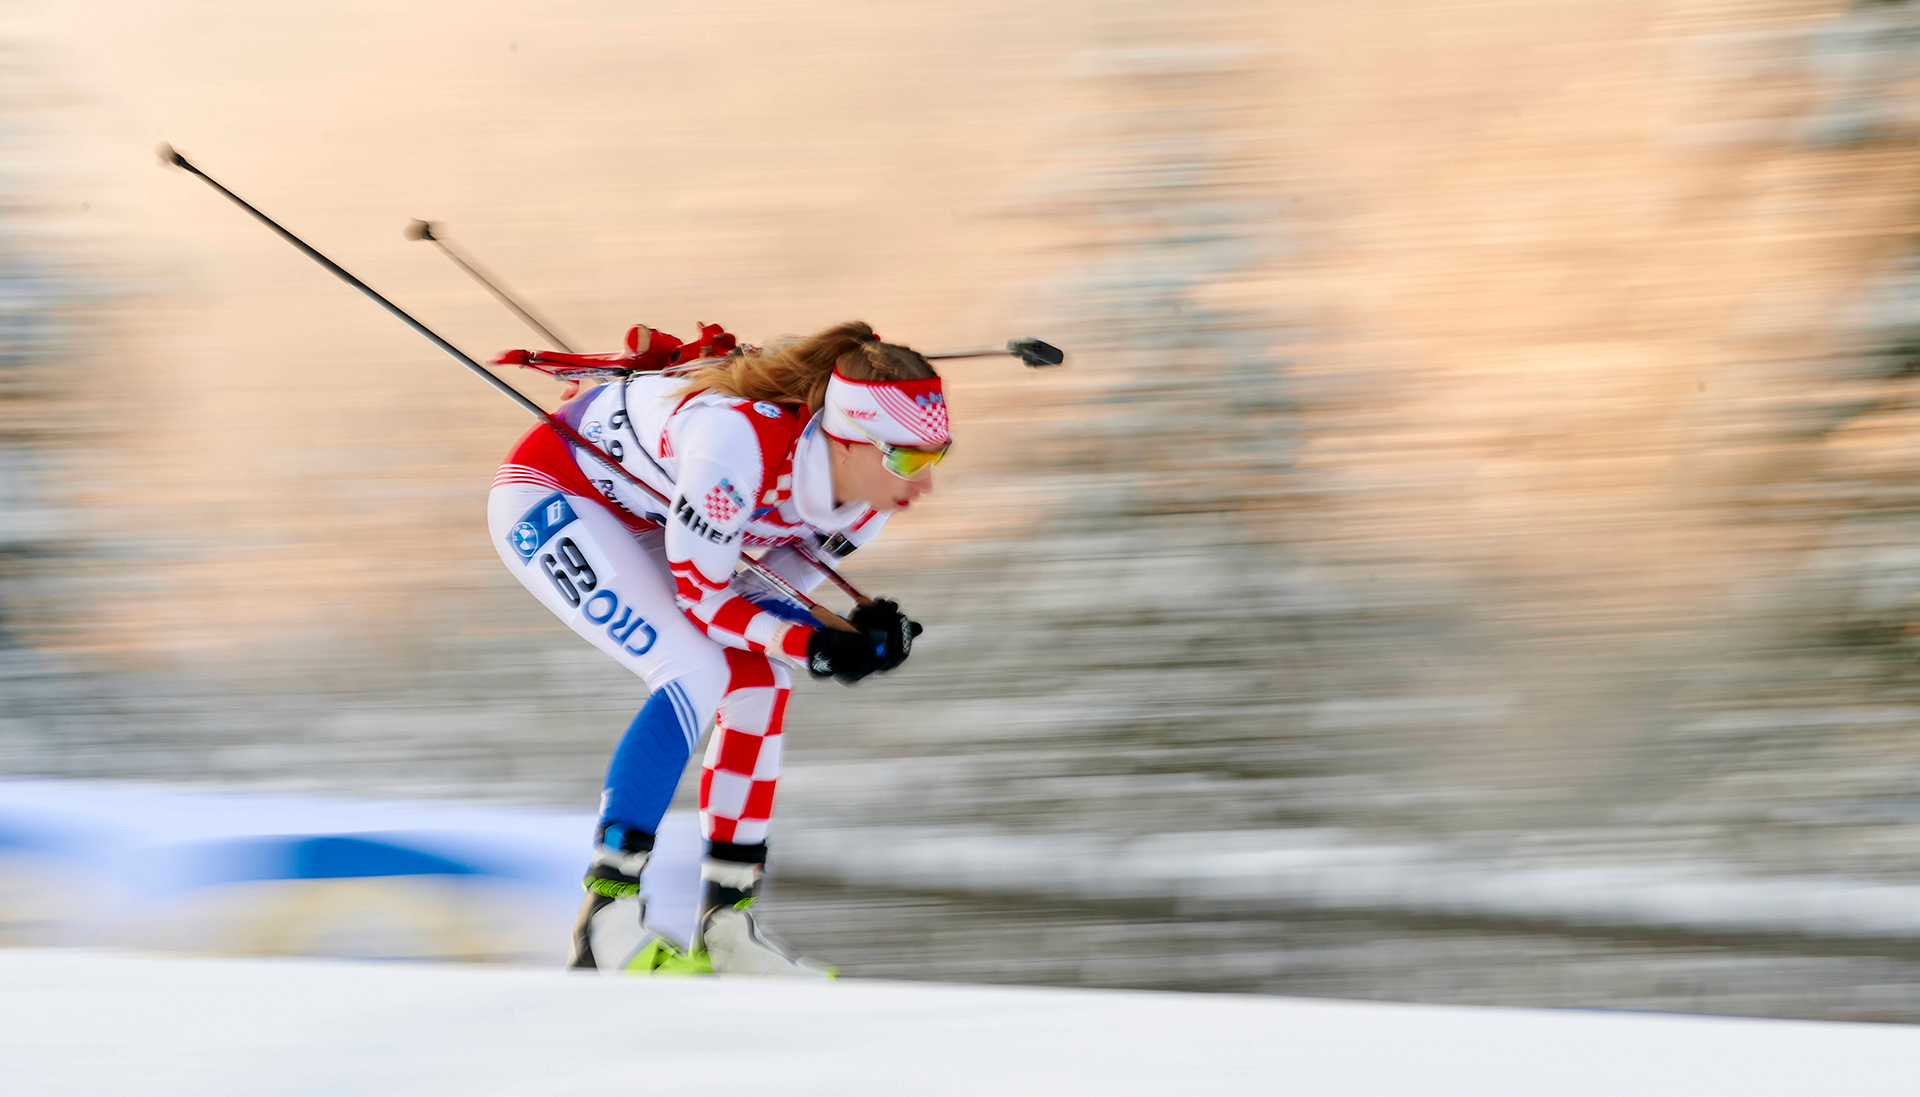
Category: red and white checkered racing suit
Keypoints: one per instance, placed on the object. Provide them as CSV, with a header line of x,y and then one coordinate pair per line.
x,y
655,587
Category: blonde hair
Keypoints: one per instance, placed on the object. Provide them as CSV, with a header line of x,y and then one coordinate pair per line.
x,y
797,372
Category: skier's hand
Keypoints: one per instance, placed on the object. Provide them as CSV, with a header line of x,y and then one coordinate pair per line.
x,y
892,634
836,653
883,641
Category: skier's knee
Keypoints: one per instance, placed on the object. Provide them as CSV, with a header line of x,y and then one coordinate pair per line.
x,y
703,689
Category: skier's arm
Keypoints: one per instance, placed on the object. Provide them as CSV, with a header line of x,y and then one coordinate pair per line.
x,y
720,478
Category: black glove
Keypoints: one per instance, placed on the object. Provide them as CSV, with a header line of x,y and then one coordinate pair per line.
x,y
836,653
884,640
892,634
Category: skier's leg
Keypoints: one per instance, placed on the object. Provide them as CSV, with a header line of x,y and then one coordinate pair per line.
x,y
613,588
611,932
647,765
608,582
737,780
742,765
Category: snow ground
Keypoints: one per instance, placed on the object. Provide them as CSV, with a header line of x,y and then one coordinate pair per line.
x,y
76,1023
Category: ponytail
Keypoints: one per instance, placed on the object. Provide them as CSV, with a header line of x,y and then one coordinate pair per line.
x,y
796,373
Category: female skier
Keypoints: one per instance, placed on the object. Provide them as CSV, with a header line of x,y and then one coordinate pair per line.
x,y
814,443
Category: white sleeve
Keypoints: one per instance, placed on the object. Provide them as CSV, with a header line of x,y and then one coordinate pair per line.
x,y
721,468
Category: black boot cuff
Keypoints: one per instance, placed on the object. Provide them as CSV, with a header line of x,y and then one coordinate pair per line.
x,y
741,855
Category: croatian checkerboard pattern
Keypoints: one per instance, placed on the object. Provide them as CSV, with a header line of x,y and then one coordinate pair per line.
x,y
723,502
742,765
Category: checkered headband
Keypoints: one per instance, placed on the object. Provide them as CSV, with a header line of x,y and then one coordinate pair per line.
x,y
899,413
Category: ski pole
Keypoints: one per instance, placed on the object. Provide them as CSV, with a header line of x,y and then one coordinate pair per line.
x,y
169,155
423,230
853,592
1033,352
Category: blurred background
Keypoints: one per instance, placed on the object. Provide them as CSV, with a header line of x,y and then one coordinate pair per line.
x,y
1473,553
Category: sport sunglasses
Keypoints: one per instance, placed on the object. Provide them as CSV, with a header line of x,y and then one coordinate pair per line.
x,y
908,462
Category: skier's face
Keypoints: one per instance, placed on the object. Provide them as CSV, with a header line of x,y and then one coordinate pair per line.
x,y
859,476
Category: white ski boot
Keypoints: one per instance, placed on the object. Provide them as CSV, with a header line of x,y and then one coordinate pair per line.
x,y
612,936
731,940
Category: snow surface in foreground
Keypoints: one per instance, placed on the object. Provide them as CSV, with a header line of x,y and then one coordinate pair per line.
x,y
79,1023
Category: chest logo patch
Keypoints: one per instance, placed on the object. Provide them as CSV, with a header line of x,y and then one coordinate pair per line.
x,y
723,502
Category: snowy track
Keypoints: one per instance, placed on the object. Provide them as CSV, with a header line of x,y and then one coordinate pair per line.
x,y
81,1023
